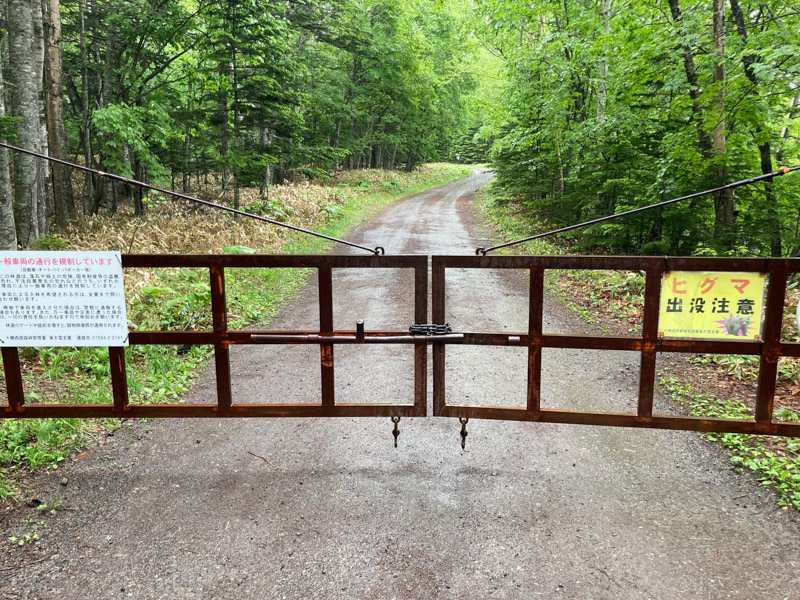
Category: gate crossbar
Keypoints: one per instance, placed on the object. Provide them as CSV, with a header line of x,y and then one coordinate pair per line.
x,y
222,338
770,348
649,344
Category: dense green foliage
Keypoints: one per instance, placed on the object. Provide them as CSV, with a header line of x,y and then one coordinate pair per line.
x,y
585,108
611,106
259,91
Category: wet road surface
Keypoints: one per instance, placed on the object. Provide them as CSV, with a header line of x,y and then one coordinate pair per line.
x,y
312,508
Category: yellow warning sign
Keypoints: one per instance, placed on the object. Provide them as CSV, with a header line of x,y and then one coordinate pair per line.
x,y
698,304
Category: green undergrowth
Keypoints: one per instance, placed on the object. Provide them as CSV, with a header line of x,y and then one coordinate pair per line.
x,y
507,221
613,302
614,293
773,461
176,299
606,297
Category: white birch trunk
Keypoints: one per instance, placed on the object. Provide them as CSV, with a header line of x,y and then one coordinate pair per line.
x,y
8,233
24,103
60,183
44,167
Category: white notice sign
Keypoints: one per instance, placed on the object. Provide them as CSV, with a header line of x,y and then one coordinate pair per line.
x,y
62,299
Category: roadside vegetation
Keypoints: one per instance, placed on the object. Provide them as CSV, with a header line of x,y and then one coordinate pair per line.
x,y
609,107
710,385
180,298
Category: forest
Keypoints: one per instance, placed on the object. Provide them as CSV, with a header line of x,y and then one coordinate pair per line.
x,y
610,106
582,107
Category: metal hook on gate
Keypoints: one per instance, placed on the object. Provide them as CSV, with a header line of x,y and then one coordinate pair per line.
x,y
396,430
463,421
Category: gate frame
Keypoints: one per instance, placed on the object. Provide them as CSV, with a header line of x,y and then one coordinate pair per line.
x,y
222,338
770,348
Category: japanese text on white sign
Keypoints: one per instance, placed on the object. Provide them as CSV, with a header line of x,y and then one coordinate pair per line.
x,y
62,299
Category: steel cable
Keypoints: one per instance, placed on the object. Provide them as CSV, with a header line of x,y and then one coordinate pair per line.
x,y
236,211
778,173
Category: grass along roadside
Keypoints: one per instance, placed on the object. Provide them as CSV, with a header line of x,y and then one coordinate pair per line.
x,y
180,299
773,461
612,302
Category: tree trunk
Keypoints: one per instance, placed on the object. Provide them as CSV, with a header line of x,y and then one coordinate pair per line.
x,y
771,200
764,149
138,192
53,91
265,140
560,164
706,146
8,233
725,202
236,131
44,166
107,186
718,19
222,112
85,112
785,130
29,207
602,84
187,134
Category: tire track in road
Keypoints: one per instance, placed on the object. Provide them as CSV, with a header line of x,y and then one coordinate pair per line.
x,y
315,508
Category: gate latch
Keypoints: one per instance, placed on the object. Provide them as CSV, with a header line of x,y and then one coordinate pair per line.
x,y
431,329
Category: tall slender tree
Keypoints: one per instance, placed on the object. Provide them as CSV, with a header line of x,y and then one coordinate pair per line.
x,y
8,233
29,206
61,185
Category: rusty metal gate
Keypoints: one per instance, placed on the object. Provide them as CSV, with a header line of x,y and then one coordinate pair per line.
x,y
222,338
770,348
648,345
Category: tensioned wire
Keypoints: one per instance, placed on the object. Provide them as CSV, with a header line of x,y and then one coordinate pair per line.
x,y
236,211
735,184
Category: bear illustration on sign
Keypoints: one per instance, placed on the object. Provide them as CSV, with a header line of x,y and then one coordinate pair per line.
x,y
735,325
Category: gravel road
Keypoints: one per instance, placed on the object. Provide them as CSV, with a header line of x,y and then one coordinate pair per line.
x,y
312,508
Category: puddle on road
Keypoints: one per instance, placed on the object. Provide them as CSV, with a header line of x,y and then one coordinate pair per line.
x,y
487,299
592,380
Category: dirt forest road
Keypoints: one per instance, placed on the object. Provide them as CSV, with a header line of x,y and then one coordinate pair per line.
x,y
328,509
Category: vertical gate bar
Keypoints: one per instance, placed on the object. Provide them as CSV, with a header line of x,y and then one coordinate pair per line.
x,y
326,328
219,312
535,309
119,378
13,375
438,307
771,349
421,348
647,370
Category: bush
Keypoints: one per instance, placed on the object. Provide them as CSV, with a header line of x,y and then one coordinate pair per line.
x,y
656,248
